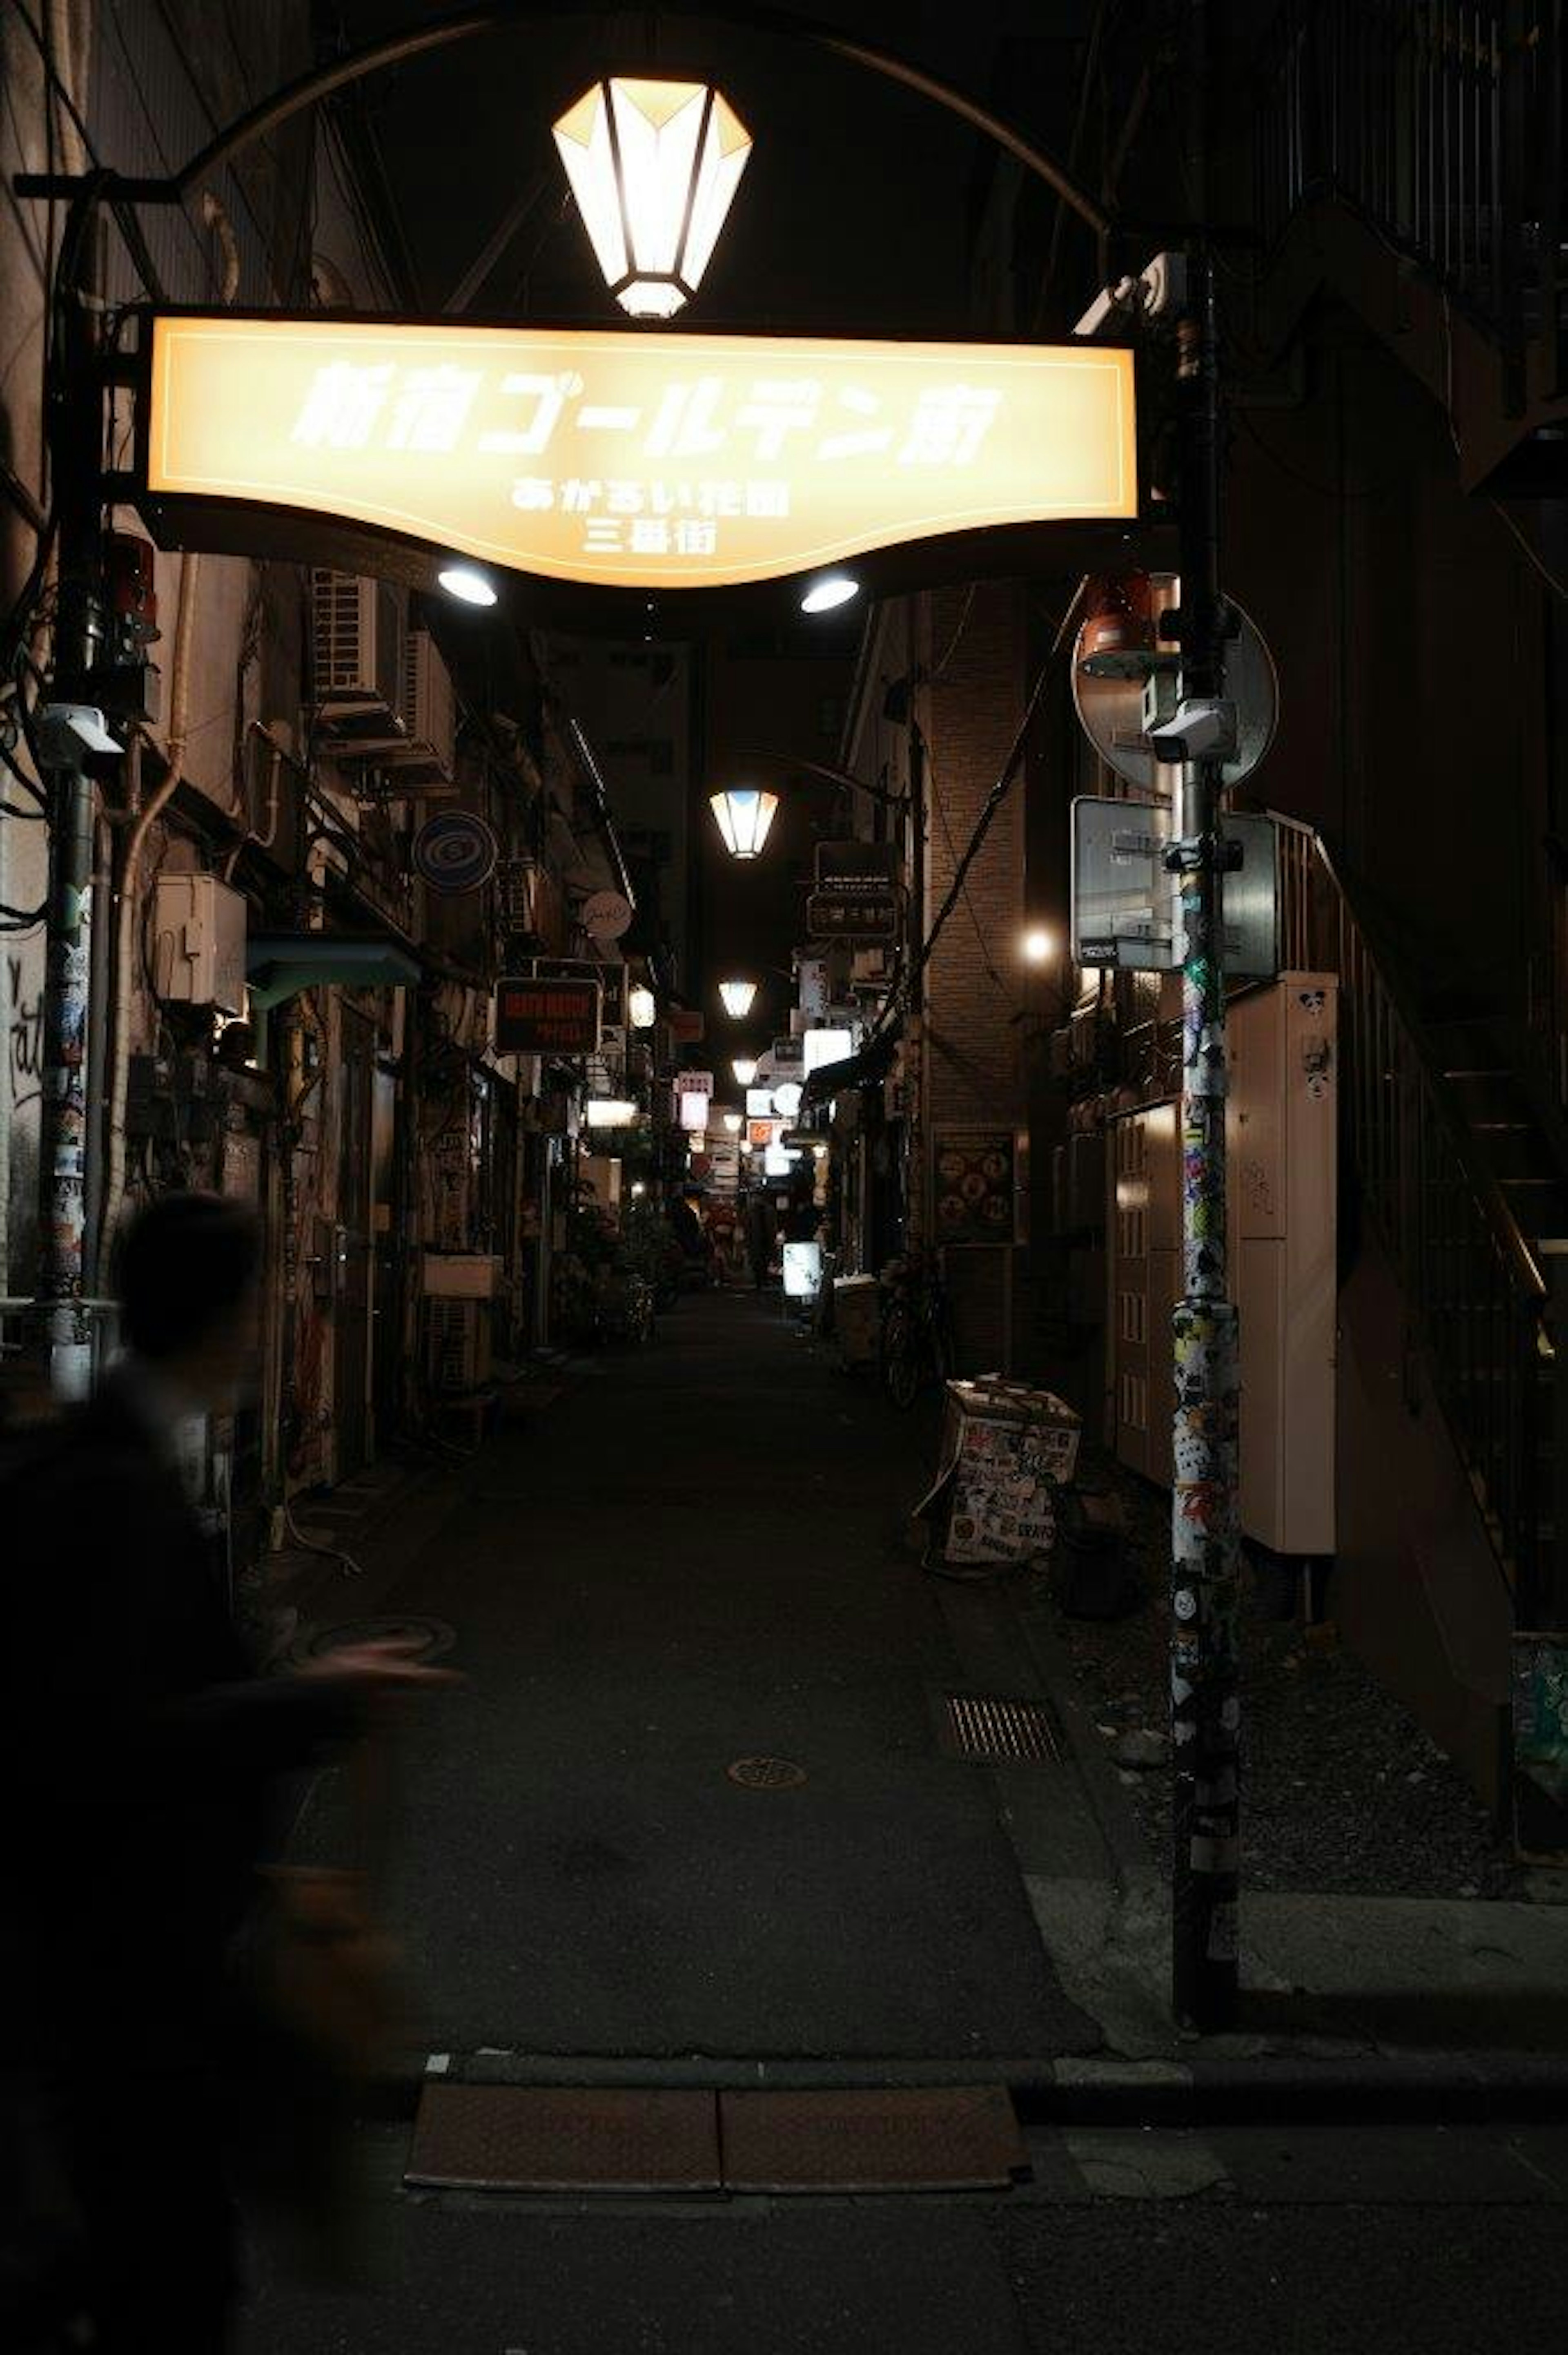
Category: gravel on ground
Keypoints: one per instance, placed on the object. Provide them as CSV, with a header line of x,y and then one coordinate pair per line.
x,y
1343,1793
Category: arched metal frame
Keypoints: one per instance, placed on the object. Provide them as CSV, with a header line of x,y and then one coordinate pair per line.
x,y
394,48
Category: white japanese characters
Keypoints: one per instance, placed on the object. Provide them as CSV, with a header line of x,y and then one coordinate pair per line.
x,y
350,406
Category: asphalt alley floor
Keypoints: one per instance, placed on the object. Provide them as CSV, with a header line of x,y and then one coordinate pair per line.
x,y
697,1556
1317,2241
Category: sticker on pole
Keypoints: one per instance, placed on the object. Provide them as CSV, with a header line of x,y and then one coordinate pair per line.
x,y
455,851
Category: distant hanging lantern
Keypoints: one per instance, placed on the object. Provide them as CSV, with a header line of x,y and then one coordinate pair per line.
x,y
642,1007
737,996
744,817
654,166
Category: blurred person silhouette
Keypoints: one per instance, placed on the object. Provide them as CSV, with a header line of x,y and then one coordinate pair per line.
x,y
761,1234
141,1756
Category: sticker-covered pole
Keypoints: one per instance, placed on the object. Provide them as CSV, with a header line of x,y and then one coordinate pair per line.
x,y
1204,1700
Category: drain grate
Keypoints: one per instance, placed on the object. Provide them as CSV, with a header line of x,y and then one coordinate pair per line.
x,y
988,1730
542,2138
917,2139
766,1773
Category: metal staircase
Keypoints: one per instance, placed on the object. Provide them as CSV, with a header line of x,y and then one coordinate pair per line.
x,y
1440,128
1459,1182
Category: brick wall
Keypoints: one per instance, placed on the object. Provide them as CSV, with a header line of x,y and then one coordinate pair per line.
x,y
969,709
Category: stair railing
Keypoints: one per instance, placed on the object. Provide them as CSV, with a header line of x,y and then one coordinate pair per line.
x,y
1442,125
1473,1285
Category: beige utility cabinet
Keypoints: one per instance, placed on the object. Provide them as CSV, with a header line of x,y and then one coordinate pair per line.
x,y
1281,1170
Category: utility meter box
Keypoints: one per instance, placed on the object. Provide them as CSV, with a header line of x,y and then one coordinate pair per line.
x,y
198,942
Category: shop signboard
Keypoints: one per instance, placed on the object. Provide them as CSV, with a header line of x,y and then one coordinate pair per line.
x,y
540,1016
858,912
974,1190
694,1083
685,1025
621,459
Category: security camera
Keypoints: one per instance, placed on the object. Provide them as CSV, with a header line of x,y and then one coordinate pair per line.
x,y
1202,727
67,730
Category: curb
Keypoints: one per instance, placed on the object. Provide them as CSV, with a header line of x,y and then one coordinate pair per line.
x,y
1135,1873
1269,2089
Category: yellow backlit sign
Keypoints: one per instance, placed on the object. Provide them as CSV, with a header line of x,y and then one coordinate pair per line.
x,y
637,461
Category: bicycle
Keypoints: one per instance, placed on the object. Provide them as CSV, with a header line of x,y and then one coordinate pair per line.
x,y
915,1344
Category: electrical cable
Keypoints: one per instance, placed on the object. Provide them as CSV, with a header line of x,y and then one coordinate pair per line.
x,y
352,1568
982,826
1557,587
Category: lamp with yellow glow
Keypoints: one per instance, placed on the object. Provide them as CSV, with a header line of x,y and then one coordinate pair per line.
x,y
737,996
732,1123
744,1069
641,1006
654,166
744,816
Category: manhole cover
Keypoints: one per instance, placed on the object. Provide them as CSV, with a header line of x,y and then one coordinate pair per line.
x,y
426,1639
766,1773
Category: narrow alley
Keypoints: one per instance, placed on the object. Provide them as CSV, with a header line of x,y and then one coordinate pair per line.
x,y
695,1557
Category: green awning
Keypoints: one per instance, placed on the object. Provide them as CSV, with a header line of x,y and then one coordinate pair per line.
x,y
279,964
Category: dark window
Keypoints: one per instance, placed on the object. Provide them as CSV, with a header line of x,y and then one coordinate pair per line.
x,y
661,758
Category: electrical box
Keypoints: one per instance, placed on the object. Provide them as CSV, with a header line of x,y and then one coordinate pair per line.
x,y
1281,1178
199,942
458,1275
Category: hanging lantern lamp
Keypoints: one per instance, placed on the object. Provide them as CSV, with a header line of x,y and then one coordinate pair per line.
x,y
744,816
737,996
654,166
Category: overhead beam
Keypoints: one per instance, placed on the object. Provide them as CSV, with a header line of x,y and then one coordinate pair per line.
x,y
395,48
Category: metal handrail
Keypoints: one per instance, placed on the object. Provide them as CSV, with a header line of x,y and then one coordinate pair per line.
x,y
1473,1285
1443,126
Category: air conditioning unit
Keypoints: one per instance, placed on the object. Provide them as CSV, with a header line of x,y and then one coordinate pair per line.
x,y
457,1346
359,627
429,716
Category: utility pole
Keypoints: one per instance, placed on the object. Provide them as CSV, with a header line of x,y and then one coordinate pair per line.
x,y
1205,1710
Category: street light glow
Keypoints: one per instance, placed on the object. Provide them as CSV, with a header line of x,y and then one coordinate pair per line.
x,y
744,1069
834,589
1039,945
468,587
654,166
737,996
744,816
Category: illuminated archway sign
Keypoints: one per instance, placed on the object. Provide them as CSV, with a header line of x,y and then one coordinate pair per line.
x,y
624,459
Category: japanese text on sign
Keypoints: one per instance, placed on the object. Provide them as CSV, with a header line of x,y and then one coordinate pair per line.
x,y
635,460
559,1017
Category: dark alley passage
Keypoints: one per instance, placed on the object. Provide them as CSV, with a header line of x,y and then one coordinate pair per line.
x,y
693,1558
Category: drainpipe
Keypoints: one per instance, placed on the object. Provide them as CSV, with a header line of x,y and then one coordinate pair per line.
x,y
127,912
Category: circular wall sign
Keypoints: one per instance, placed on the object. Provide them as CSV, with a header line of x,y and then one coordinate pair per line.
x,y
455,851
1111,710
607,915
